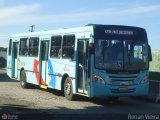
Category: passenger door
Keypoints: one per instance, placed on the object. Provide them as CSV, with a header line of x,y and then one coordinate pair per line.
x,y
14,60
43,61
9,56
82,65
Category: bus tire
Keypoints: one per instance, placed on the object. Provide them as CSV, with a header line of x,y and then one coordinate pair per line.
x,y
23,81
68,89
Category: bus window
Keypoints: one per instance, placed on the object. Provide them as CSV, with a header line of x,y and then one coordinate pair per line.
x,y
68,46
33,46
10,45
56,46
23,47
138,52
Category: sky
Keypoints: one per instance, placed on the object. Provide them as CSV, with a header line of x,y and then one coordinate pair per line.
x,y
16,16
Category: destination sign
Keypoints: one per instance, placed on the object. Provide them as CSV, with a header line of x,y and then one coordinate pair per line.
x,y
118,32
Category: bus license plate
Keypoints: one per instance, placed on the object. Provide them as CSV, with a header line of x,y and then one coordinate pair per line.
x,y
123,88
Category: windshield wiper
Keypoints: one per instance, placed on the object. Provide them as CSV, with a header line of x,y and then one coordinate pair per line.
x,y
104,53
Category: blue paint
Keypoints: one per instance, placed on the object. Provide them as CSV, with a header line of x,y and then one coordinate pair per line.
x,y
53,78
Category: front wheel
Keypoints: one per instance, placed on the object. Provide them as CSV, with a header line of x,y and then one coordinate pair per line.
x,y
23,81
68,89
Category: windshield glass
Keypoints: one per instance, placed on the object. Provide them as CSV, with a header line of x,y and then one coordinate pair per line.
x,y
121,55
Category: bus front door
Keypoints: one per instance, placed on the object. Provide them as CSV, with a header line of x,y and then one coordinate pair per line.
x,y
14,59
43,61
82,65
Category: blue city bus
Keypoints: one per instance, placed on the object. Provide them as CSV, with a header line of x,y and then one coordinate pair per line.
x,y
93,60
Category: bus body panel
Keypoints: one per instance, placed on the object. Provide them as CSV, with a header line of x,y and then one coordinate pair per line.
x,y
56,69
30,66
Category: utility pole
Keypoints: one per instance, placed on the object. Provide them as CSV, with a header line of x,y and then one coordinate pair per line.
x,y
32,28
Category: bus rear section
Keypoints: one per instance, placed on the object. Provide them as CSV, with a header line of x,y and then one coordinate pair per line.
x,y
120,61
12,55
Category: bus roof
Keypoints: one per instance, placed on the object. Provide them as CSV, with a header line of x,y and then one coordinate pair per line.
x,y
55,31
86,28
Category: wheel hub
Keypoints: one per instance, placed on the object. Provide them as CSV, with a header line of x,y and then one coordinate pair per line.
x,y
68,88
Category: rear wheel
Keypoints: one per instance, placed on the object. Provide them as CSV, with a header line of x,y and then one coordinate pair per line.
x,y
68,89
23,81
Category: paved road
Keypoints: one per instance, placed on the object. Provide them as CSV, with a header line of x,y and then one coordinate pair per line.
x,y
15,100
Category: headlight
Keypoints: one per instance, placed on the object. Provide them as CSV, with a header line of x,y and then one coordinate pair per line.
x,y
98,79
145,80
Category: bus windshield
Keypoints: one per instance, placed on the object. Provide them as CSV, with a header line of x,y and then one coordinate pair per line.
x,y
121,55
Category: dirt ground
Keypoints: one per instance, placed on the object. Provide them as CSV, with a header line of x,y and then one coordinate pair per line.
x,y
15,100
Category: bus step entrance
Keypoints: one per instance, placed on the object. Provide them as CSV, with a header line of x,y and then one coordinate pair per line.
x,y
43,86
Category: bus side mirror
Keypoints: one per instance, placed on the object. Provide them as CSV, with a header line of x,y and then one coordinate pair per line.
x,y
91,48
149,53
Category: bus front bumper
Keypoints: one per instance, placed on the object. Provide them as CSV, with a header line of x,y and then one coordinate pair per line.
x,y
100,90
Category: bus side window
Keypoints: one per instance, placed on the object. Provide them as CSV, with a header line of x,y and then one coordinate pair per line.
x,y
68,46
10,46
55,50
33,46
23,47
